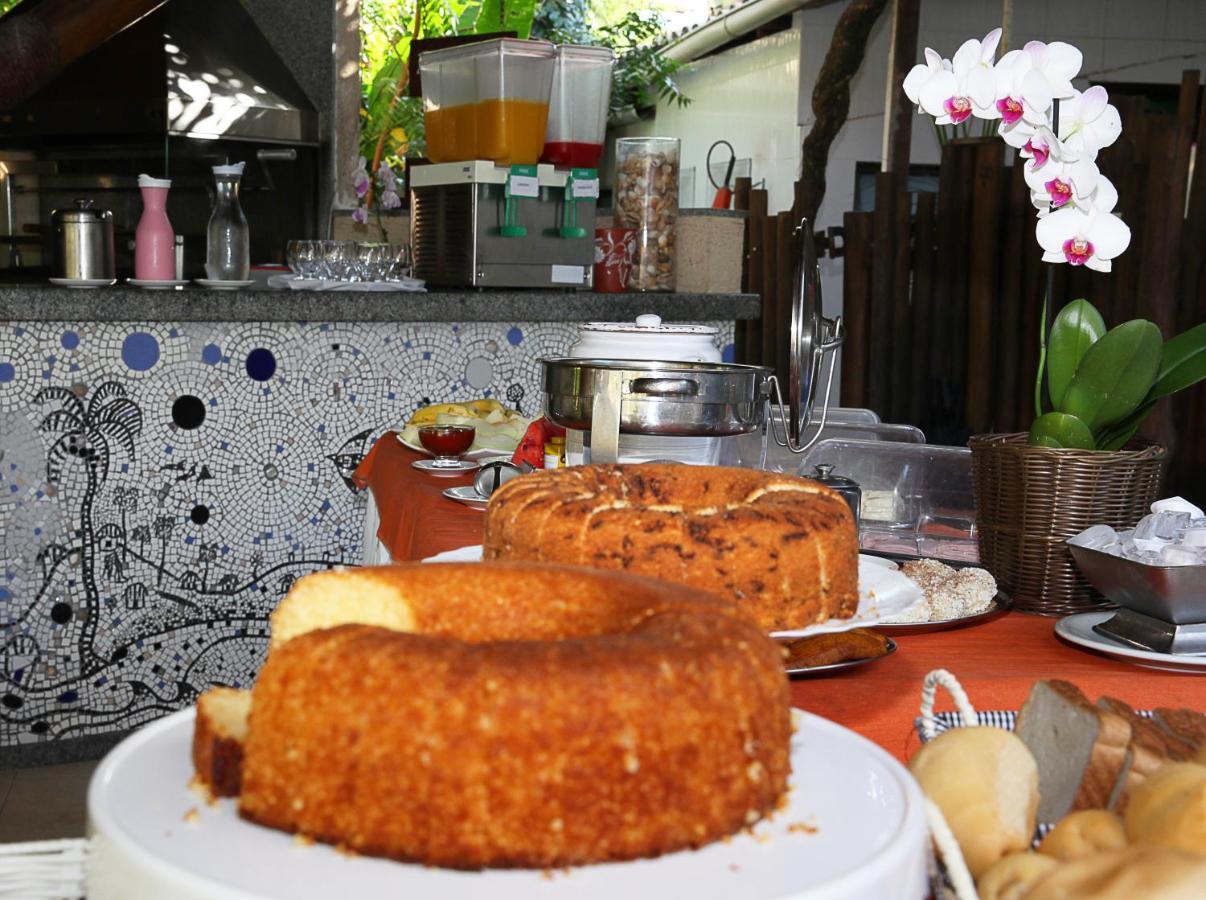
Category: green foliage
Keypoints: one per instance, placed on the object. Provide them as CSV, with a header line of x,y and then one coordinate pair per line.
x,y
1104,383
1075,330
1056,429
386,29
506,15
1115,374
6,5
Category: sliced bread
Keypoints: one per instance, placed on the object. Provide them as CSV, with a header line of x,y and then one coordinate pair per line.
x,y
1080,748
1150,748
1186,724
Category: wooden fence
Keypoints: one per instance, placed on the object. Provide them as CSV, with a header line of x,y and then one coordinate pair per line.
x,y
942,301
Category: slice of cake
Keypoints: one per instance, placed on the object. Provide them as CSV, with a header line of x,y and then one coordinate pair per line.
x,y
218,736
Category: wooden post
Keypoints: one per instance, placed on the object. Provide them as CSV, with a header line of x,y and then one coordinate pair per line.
x,y
755,226
788,257
770,289
983,283
922,310
883,284
741,331
856,306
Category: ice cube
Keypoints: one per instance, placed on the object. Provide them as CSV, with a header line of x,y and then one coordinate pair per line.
x,y
1097,537
1140,555
1146,528
1177,504
1194,538
1178,556
1169,525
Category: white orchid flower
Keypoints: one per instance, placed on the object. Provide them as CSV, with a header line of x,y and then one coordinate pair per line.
x,y
1008,74
1088,122
1059,183
922,73
1040,146
968,89
1089,238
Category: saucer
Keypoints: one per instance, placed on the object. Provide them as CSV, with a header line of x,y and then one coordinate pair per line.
x,y
468,495
154,284
1078,629
82,283
461,467
214,284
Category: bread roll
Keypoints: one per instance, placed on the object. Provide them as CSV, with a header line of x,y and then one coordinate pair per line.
x,y
1151,873
1010,877
1084,833
1169,809
986,783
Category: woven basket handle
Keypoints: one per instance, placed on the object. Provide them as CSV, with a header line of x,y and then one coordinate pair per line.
x,y
948,848
929,687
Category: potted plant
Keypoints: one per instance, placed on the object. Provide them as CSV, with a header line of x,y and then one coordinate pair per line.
x,y
1080,464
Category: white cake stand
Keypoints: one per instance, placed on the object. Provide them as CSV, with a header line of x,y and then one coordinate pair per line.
x,y
854,827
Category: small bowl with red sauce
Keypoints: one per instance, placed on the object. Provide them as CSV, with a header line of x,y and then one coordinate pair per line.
x,y
447,443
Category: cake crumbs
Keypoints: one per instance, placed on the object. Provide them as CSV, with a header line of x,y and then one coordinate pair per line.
x,y
346,850
303,840
733,867
191,816
199,787
801,828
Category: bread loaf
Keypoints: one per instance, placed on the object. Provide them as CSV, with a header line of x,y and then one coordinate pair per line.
x,y
986,784
1080,749
1169,809
1150,748
1011,876
1187,725
1137,873
1083,833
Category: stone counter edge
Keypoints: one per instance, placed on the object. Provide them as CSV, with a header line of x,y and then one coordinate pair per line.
x,y
33,303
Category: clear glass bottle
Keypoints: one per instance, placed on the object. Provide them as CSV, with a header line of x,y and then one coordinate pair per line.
x,y
228,245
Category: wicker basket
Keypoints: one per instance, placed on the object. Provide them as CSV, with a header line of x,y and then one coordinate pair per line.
x,y
1029,500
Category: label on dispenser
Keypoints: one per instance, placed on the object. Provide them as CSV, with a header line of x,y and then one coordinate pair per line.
x,y
522,182
584,184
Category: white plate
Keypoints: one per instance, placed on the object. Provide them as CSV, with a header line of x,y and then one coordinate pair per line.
x,y
883,592
1078,629
468,495
218,285
484,453
155,284
830,668
869,839
82,283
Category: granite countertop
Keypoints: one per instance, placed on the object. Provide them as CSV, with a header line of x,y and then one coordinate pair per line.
x,y
47,303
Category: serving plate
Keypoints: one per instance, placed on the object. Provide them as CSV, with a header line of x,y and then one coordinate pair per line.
x,y
1000,604
468,495
83,283
484,453
155,284
1078,630
831,668
853,826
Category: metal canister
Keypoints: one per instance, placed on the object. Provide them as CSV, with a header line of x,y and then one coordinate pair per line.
x,y
847,487
83,242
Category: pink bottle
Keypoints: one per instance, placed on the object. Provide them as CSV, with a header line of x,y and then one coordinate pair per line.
x,y
154,240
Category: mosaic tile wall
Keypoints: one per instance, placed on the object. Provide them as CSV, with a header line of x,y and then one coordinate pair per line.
x,y
161,487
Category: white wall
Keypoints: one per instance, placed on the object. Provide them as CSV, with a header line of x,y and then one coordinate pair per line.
x,y
747,96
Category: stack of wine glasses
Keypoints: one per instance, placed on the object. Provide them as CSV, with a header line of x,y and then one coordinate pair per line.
x,y
348,261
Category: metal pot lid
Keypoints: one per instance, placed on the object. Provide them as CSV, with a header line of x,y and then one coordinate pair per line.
x,y
83,211
803,363
649,324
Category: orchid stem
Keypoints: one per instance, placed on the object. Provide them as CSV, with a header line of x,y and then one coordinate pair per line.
x,y
1042,362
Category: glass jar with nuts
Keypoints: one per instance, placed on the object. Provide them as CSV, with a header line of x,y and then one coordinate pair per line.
x,y
646,198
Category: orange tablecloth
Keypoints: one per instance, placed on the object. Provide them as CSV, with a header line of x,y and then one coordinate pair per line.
x,y
417,520
997,662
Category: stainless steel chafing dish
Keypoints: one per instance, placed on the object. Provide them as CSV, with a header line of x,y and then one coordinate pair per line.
x,y
610,397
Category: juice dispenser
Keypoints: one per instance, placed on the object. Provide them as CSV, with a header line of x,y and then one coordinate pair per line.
x,y
578,106
487,101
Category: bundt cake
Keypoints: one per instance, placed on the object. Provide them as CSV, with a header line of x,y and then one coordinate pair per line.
x,y
784,548
534,716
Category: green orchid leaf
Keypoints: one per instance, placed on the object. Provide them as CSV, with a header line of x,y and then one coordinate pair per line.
x,y
1077,328
1182,362
1115,375
497,15
1060,430
1117,438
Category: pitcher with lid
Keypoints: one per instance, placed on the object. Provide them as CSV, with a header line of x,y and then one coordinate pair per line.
x,y
228,246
